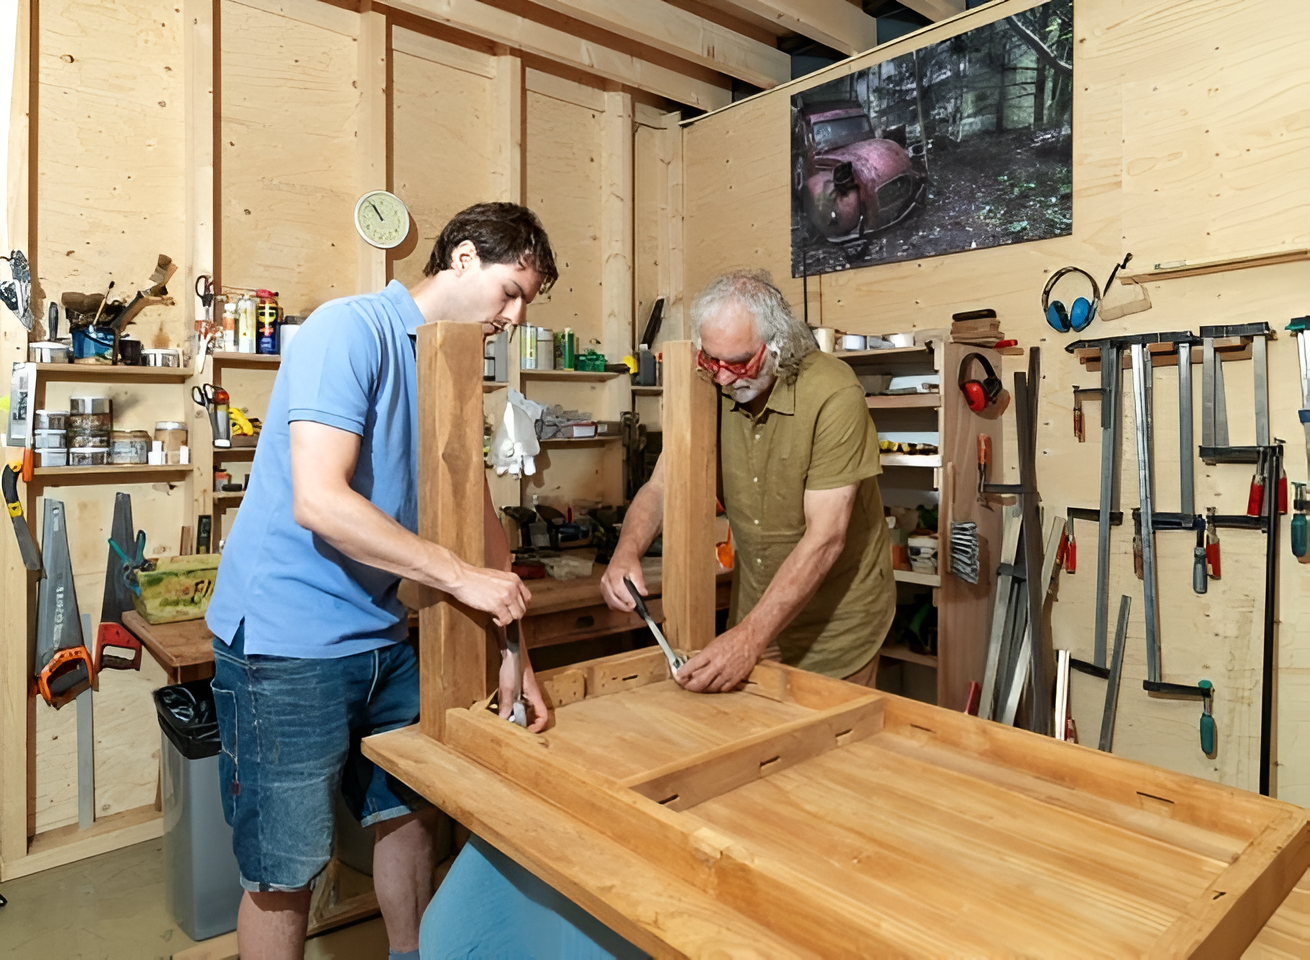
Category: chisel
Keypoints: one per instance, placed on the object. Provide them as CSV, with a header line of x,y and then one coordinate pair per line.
x,y
675,661
518,708
26,545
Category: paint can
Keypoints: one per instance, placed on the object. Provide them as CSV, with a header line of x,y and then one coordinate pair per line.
x,y
129,446
826,337
852,341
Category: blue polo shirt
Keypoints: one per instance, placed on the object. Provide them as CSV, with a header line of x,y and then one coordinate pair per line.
x,y
352,367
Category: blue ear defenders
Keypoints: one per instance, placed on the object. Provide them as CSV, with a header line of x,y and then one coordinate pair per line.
x,y
1076,316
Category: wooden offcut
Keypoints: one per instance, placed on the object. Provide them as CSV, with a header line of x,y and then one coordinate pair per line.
x,y
690,456
452,654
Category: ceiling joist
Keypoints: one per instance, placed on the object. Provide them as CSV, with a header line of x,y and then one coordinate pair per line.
x,y
835,23
550,43
682,34
935,9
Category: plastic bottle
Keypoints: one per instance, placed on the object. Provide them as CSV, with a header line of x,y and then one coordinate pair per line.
x,y
230,326
246,324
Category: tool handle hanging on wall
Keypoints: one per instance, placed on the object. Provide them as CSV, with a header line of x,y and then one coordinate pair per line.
x,y
1212,546
1208,731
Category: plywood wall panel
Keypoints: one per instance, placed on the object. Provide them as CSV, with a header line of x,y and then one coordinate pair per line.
x,y
290,171
110,183
442,130
564,187
1154,102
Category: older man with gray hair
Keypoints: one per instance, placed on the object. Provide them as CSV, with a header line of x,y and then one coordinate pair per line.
x,y
798,455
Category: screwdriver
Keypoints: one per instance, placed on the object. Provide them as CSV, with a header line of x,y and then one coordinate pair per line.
x,y
1079,424
1207,719
984,464
1299,524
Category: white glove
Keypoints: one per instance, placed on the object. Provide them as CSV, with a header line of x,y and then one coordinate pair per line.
x,y
515,443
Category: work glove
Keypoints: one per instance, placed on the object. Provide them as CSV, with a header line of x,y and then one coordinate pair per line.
x,y
515,444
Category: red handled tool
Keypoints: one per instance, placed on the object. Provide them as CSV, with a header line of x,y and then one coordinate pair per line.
x,y
1256,498
1212,567
112,635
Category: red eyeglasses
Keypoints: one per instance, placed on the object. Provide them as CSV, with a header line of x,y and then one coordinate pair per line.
x,y
738,371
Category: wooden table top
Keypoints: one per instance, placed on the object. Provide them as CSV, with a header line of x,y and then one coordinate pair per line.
x,y
175,645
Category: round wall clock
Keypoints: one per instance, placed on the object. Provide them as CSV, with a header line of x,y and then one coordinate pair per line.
x,y
382,219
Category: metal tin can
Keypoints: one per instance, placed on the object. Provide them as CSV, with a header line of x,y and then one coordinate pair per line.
x,y
129,446
89,440
172,434
90,424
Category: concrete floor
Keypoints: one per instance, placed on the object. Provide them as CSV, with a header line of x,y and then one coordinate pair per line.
x,y
111,907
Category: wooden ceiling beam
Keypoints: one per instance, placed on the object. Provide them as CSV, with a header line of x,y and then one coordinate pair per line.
x,y
683,34
560,46
836,23
935,9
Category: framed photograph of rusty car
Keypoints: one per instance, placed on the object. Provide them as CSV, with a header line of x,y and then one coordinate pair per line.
x,y
955,146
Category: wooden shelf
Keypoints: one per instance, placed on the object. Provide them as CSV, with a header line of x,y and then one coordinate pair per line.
x,y
911,459
228,498
107,373
254,361
491,386
899,652
125,472
924,579
234,453
897,353
579,441
647,391
904,401
565,376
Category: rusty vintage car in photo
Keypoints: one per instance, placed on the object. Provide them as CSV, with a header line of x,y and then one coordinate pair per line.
x,y
851,182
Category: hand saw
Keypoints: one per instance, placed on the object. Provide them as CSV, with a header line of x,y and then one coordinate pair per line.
x,y
26,545
675,661
112,635
63,663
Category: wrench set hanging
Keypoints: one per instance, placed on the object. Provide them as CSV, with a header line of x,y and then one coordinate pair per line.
x,y
1263,508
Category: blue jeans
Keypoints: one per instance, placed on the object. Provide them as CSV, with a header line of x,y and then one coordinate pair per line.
x,y
490,908
290,730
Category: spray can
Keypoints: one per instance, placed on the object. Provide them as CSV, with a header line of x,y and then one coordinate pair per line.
x,y
229,326
246,324
565,346
266,322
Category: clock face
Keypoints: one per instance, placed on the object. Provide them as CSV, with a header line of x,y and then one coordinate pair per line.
x,y
382,219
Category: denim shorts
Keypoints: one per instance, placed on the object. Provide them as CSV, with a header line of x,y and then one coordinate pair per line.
x,y
290,730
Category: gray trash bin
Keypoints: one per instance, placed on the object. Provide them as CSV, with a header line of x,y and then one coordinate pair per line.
x,y
203,887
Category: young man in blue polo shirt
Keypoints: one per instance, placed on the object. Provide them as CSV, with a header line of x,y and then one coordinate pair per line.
x,y
309,651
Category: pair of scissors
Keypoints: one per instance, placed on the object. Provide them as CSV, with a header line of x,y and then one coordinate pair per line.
x,y
205,291
209,396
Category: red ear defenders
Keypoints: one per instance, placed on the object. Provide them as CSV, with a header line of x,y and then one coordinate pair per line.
x,y
979,393
1078,314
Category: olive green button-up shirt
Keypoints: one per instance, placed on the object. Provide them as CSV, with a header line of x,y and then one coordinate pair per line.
x,y
813,434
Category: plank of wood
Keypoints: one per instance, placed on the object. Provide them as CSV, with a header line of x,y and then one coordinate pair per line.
x,y
1227,916
554,44
452,654
690,459
837,23
371,55
683,34
686,783
1203,267
936,9
658,912
616,170
175,646
68,844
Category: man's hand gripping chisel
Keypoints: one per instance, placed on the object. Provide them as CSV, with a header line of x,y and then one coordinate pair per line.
x,y
518,710
675,661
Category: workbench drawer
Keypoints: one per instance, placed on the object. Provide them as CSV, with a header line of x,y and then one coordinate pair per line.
x,y
584,623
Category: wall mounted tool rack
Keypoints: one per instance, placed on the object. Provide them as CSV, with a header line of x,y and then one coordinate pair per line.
x,y
1237,342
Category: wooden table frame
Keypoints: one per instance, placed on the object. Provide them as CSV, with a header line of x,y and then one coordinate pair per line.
x,y
802,816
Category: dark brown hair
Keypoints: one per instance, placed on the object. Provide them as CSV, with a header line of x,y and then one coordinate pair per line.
x,y
502,233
